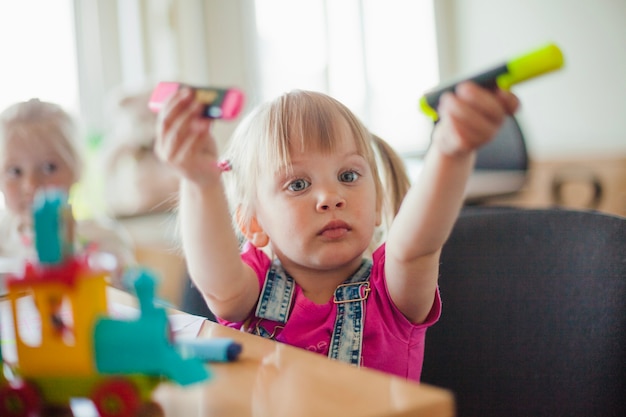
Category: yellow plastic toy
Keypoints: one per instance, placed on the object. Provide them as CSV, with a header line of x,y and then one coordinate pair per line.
x,y
83,352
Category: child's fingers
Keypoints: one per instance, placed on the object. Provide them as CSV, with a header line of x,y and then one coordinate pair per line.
x,y
195,142
173,107
473,116
468,122
183,137
182,128
177,125
509,100
483,101
167,122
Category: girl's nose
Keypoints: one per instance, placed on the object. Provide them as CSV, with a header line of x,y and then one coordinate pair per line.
x,y
330,201
30,183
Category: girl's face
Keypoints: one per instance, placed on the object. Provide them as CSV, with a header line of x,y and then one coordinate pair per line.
x,y
26,165
323,213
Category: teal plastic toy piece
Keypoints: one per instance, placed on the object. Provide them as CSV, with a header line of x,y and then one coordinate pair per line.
x,y
114,363
49,225
141,346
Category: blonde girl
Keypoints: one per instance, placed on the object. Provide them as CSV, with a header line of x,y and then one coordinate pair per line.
x,y
306,193
39,149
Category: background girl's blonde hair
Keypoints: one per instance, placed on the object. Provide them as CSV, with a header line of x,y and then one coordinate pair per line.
x,y
47,122
306,120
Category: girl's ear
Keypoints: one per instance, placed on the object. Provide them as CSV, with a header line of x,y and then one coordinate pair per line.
x,y
256,235
253,231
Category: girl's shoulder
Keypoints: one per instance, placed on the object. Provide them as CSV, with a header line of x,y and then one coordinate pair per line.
x,y
378,264
11,243
7,220
256,258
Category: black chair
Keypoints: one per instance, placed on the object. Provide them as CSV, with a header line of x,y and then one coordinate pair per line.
x,y
192,301
507,152
534,314
501,166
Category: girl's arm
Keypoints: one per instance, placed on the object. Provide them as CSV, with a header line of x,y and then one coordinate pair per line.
x,y
470,118
210,245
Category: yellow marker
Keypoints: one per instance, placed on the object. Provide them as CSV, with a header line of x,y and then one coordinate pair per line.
x,y
540,61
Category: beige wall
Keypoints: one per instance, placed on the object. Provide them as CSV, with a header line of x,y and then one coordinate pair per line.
x,y
578,111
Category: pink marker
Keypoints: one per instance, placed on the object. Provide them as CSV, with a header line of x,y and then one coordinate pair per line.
x,y
220,103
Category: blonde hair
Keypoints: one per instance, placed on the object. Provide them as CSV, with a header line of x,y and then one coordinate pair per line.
x,y
396,181
305,120
46,122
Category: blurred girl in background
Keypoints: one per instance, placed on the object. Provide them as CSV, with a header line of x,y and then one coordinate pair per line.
x,y
40,148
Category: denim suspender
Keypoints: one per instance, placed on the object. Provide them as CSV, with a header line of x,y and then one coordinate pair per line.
x,y
347,338
275,299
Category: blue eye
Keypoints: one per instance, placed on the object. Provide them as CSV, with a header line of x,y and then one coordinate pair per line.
x,y
349,176
49,168
298,185
13,172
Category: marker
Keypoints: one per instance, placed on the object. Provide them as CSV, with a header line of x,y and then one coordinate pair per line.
x,y
220,103
540,61
209,350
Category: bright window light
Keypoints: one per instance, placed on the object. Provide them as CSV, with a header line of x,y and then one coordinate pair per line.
x,y
39,53
377,57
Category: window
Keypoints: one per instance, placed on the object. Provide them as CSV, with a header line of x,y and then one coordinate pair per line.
x,y
39,52
376,57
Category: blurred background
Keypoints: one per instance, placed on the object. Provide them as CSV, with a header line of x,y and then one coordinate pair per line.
x,y
378,57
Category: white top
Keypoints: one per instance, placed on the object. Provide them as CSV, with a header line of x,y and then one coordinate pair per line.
x,y
110,246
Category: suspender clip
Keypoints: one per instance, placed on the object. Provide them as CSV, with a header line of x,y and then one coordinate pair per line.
x,y
364,291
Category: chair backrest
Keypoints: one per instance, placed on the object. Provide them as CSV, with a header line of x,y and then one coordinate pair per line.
x,y
506,152
501,166
534,314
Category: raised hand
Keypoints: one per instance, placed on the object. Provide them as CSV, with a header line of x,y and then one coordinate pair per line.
x,y
184,140
471,117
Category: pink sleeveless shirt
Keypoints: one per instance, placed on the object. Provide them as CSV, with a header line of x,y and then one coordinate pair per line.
x,y
390,342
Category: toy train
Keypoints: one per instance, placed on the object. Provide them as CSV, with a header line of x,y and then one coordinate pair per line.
x,y
83,351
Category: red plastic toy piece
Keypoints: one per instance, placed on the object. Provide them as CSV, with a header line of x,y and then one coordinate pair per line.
x,y
116,398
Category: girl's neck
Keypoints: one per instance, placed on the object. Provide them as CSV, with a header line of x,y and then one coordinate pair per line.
x,y
320,285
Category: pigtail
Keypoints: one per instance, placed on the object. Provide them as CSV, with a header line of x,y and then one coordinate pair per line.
x,y
394,176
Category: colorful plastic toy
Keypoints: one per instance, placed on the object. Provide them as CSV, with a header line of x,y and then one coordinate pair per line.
x,y
115,363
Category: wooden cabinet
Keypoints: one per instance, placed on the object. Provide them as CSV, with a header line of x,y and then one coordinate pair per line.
x,y
157,247
582,183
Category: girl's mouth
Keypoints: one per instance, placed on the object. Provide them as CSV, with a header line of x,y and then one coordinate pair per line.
x,y
335,229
